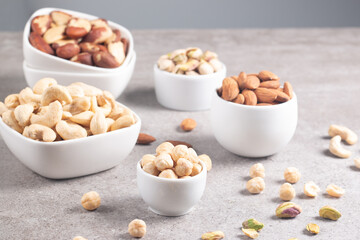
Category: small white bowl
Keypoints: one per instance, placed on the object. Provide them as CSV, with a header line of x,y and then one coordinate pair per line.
x,y
114,82
253,131
171,197
72,158
186,93
38,59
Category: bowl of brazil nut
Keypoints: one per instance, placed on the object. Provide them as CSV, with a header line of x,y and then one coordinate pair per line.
x,y
253,115
186,78
173,180
67,131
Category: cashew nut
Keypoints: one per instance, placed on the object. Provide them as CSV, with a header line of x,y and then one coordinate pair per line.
x,y
122,122
116,110
51,116
88,90
8,118
66,115
83,118
43,84
69,130
12,101
109,122
75,91
336,148
79,105
3,108
345,133
23,113
98,123
55,92
40,132
27,96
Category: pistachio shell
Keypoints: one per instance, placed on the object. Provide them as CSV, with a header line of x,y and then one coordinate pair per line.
x,y
288,210
252,224
329,213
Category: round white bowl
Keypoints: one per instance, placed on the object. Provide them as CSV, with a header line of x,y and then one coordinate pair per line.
x,y
171,197
72,158
115,82
186,93
253,131
38,59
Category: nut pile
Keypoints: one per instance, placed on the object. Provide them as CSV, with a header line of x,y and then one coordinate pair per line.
x,y
190,61
339,133
79,40
174,162
51,112
262,89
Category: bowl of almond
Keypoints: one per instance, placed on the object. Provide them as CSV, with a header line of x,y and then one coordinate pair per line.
x,y
254,115
186,78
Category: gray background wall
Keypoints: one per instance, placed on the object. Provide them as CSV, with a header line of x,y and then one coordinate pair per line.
x,y
143,14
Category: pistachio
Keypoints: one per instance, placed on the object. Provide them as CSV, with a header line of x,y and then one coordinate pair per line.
x,y
166,64
251,233
207,56
191,73
213,235
288,210
313,228
205,68
195,53
179,56
252,224
216,64
329,213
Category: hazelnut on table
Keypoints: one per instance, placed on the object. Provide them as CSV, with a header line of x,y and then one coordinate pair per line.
x,y
257,170
137,228
287,192
91,200
292,175
255,185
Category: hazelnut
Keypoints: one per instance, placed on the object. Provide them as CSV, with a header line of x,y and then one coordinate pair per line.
x,y
196,169
168,173
164,147
183,167
91,200
287,192
137,228
257,170
207,160
311,189
180,151
255,185
292,175
163,161
146,159
151,168
79,238
193,157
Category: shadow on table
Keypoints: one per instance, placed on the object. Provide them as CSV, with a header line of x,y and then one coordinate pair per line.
x,y
142,97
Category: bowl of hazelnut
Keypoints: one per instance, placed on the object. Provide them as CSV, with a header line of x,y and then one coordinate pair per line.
x,y
172,181
252,115
186,78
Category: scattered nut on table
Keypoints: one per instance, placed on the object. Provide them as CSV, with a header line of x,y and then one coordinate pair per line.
x,y
335,191
257,170
357,162
287,192
262,89
337,149
313,228
345,133
329,212
311,189
79,238
288,210
50,112
216,235
251,233
188,124
253,224
255,185
91,200
190,61
292,175
137,228
179,162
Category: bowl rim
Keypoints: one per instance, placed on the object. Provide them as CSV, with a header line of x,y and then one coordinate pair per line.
x,y
253,107
112,24
89,74
178,180
72,141
192,78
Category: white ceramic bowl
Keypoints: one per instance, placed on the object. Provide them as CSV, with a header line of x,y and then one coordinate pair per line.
x,y
171,197
253,131
72,158
41,60
114,82
186,93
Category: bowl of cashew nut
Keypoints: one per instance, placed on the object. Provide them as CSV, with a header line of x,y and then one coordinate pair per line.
x,y
67,131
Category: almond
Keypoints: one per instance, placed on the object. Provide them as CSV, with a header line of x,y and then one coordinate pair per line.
x,y
241,79
250,97
91,47
240,99
105,60
230,89
270,84
268,76
281,96
288,89
188,124
54,34
145,139
251,82
39,43
41,24
60,18
175,143
264,104
68,51
84,58
117,50
78,28
265,95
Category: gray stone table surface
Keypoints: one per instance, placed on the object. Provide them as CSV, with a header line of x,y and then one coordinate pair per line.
x,y
324,67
